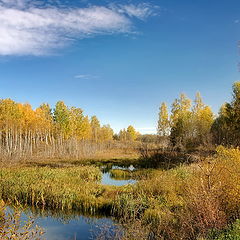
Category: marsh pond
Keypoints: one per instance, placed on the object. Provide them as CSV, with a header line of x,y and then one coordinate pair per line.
x,y
58,224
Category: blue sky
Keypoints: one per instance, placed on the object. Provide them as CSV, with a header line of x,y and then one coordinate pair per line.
x,y
118,59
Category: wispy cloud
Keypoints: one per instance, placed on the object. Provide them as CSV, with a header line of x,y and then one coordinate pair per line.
x,y
35,28
85,76
141,11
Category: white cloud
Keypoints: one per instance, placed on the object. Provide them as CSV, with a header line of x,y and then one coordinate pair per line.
x,y
11,3
26,29
141,11
85,76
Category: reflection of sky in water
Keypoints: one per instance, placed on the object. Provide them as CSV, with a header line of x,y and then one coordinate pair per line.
x,y
107,180
131,168
79,228
74,229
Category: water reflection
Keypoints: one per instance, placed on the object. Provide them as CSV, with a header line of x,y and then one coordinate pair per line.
x,y
109,179
61,226
81,228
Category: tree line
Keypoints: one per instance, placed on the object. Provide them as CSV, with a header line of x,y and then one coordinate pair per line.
x,y
66,131
25,131
191,124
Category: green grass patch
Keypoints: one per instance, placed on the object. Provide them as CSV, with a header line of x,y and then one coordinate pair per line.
x,y
230,233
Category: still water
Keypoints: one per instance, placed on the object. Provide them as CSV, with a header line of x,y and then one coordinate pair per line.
x,y
68,227
60,226
75,229
108,180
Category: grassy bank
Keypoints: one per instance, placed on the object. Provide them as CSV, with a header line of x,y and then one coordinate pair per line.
x,y
186,202
141,174
59,188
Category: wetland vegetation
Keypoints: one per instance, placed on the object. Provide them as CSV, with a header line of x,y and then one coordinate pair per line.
x,y
181,184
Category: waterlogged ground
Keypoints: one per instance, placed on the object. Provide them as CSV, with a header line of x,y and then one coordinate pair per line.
x,y
75,226
164,198
81,227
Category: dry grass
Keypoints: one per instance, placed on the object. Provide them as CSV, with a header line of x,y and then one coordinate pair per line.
x,y
61,188
186,202
183,203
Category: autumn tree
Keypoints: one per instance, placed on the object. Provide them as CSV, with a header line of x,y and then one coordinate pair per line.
x,y
85,129
95,127
123,135
220,128
10,123
62,119
180,121
233,114
226,127
163,121
106,133
44,120
190,125
202,120
131,133
75,122
63,132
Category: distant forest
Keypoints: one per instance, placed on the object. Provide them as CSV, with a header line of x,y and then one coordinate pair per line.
x,y
66,131
189,126
25,132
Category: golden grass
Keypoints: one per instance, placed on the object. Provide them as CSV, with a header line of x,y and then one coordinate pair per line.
x,y
186,202
182,203
120,174
61,188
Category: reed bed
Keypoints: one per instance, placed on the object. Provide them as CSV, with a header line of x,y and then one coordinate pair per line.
x,y
124,174
72,188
